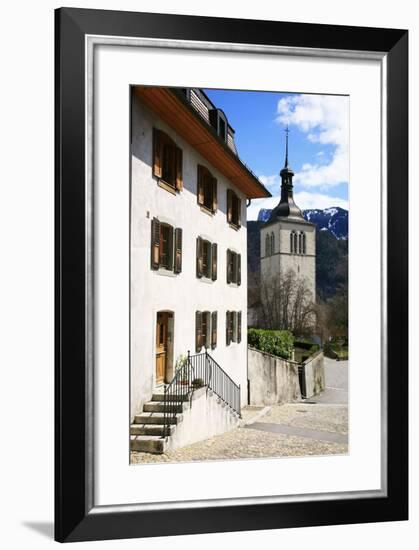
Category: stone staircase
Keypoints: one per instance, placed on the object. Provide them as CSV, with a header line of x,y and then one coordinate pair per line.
x,y
147,431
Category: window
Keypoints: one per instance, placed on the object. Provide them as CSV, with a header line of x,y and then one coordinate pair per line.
x,y
166,246
167,161
298,242
272,243
207,189
205,330
233,327
206,259
233,267
219,122
294,240
233,209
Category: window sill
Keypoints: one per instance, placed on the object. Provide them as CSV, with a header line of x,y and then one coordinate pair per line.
x,y
207,211
161,183
206,280
165,272
233,285
234,226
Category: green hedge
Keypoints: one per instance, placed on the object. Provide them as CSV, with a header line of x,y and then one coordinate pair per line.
x,y
309,346
275,342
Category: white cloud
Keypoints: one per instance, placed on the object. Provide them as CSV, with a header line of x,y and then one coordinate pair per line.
x,y
304,199
325,120
273,183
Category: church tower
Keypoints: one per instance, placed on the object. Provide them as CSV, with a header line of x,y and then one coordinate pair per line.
x,y
287,240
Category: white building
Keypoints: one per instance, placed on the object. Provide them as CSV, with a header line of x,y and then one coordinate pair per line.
x,y
188,248
287,241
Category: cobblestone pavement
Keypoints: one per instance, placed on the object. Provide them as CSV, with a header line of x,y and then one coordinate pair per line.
x,y
247,442
328,418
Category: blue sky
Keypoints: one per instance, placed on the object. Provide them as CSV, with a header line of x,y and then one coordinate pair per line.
x,y
318,143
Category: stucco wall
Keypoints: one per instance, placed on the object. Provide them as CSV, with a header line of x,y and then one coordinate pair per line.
x,y
203,418
183,294
313,369
272,379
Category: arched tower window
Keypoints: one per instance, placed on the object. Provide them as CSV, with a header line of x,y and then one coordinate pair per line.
x,y
300,243
292,242
272,243
267,245
304,243
295,242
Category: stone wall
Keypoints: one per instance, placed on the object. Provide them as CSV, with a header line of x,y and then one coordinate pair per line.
x,y
271,379
313,371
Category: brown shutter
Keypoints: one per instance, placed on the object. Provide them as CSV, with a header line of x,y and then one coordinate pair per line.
x,y
200,186
198,331
229,205
178,250
239,268
239,326
199,260
227,328
213,330
214,261
155,243
179,168
228,270
170,249
214,195
157,153
239,211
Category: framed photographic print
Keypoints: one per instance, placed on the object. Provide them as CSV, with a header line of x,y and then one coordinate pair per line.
x,y
231,274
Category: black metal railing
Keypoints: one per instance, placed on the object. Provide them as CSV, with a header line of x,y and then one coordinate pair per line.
x,y
198,371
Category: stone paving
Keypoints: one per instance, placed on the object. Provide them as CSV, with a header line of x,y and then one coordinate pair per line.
x,y
246,442
315,427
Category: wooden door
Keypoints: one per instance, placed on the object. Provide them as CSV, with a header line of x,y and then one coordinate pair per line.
x,y
161,346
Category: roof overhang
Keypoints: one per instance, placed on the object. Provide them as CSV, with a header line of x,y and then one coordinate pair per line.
x,y
170,105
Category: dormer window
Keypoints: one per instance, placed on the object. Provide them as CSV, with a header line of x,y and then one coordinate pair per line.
x,y
218,121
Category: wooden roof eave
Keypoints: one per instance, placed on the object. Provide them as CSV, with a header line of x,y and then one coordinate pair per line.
x,y
181,116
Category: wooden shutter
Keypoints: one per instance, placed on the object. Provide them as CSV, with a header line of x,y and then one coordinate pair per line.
x,y
229,206
213,330
239,268
179,168
227,328
228,270
178,250
200,186
214,195
239,211
199,259
239,326
155,243
198,331
170,249
157,153
214,262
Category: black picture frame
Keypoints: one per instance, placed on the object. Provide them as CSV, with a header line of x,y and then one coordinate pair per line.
x,y
75,517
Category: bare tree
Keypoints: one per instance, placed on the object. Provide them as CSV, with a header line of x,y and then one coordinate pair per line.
x,y
287,303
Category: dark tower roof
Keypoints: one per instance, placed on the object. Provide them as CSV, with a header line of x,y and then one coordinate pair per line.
x,y
286,207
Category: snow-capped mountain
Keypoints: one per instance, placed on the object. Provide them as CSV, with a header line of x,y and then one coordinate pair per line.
x,y
333,219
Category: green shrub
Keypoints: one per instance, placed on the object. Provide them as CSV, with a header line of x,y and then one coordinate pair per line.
x,y
275,342
311,347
